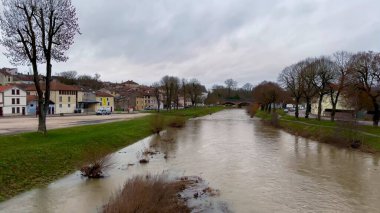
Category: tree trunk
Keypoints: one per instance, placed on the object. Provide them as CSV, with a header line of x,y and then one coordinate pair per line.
x,y
334,102
320,107
297,109
308,108
41,116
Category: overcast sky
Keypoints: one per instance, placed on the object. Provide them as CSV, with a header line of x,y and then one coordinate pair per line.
x,y
212,40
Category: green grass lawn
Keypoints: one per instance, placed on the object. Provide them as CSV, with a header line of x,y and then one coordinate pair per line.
x,y
30,159
325,130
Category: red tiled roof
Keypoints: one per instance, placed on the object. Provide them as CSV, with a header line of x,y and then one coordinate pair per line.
x,y
102,94
55,86
31,98
5,88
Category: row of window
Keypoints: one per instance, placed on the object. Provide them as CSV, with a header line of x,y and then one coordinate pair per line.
x,y
15,101
68,105
15,92
68,99
17,110
64,92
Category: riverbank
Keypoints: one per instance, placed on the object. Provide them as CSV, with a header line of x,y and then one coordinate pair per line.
x,y
364,138
30,160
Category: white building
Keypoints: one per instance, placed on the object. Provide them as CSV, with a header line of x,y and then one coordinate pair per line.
x,y
12,101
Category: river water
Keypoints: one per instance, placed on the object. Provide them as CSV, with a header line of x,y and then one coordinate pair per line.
x,y
257,168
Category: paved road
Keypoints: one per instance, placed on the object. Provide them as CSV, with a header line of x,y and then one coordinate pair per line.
x,y
9,125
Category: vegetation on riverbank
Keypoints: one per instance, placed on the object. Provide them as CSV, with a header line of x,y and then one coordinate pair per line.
x,y
347,134
30,159
148,194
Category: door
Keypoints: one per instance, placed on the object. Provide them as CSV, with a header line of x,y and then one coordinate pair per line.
x,y
23,111
1,111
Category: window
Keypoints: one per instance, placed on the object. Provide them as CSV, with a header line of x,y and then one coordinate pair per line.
x,y
13,110
107,99
13,101
13,92
60,105
108,103
17,101
69,105
18,110
9,79
69,99
18,92
60,98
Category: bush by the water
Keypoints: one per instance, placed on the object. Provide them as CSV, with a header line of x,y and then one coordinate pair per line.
x,y
157,123
96,165
177,122
252,109
148,194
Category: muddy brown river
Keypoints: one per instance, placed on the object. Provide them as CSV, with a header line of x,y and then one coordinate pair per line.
x,y
257,168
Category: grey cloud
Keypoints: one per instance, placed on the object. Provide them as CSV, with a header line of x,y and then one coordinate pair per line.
x,y
249,40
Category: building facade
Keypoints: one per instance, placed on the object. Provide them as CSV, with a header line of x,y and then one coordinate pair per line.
x,y
12,101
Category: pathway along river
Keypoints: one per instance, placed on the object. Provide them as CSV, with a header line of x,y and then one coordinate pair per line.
x,y
257,168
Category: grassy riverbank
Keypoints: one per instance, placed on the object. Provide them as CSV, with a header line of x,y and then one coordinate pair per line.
x,y
30,159
336,133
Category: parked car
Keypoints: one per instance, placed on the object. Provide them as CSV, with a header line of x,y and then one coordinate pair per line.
x,y
103,112
286,110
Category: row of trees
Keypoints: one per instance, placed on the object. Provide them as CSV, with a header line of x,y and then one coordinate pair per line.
x,y
72,78
355,76
229,91
38,32
171,88
268,94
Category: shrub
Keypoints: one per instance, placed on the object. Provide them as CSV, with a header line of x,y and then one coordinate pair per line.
x,y
177,122
157,123
96,166
148,194
252,109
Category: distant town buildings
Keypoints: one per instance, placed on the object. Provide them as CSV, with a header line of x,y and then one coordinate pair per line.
x,y
18,96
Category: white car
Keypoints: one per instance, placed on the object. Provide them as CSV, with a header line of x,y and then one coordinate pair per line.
x,y
103,112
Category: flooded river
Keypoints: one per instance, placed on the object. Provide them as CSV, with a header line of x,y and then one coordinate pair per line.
x,y
257,168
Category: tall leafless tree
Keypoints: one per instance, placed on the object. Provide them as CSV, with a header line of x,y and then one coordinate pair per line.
x,y
341,69
290,78
195,91
157,93
230,84
365,76
323,80
38,32
308,74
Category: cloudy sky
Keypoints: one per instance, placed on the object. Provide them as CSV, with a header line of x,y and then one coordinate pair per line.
x,y
212,40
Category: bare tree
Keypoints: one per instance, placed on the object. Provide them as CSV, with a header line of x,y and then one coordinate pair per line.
x,y
231,84
323,80
156,92
247,87
195,91
365,76
175,87
308,75
165,83
341,69
268,94
290,78
38,31
184,91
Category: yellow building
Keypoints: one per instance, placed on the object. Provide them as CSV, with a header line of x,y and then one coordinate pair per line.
x,y
106,101
63,98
